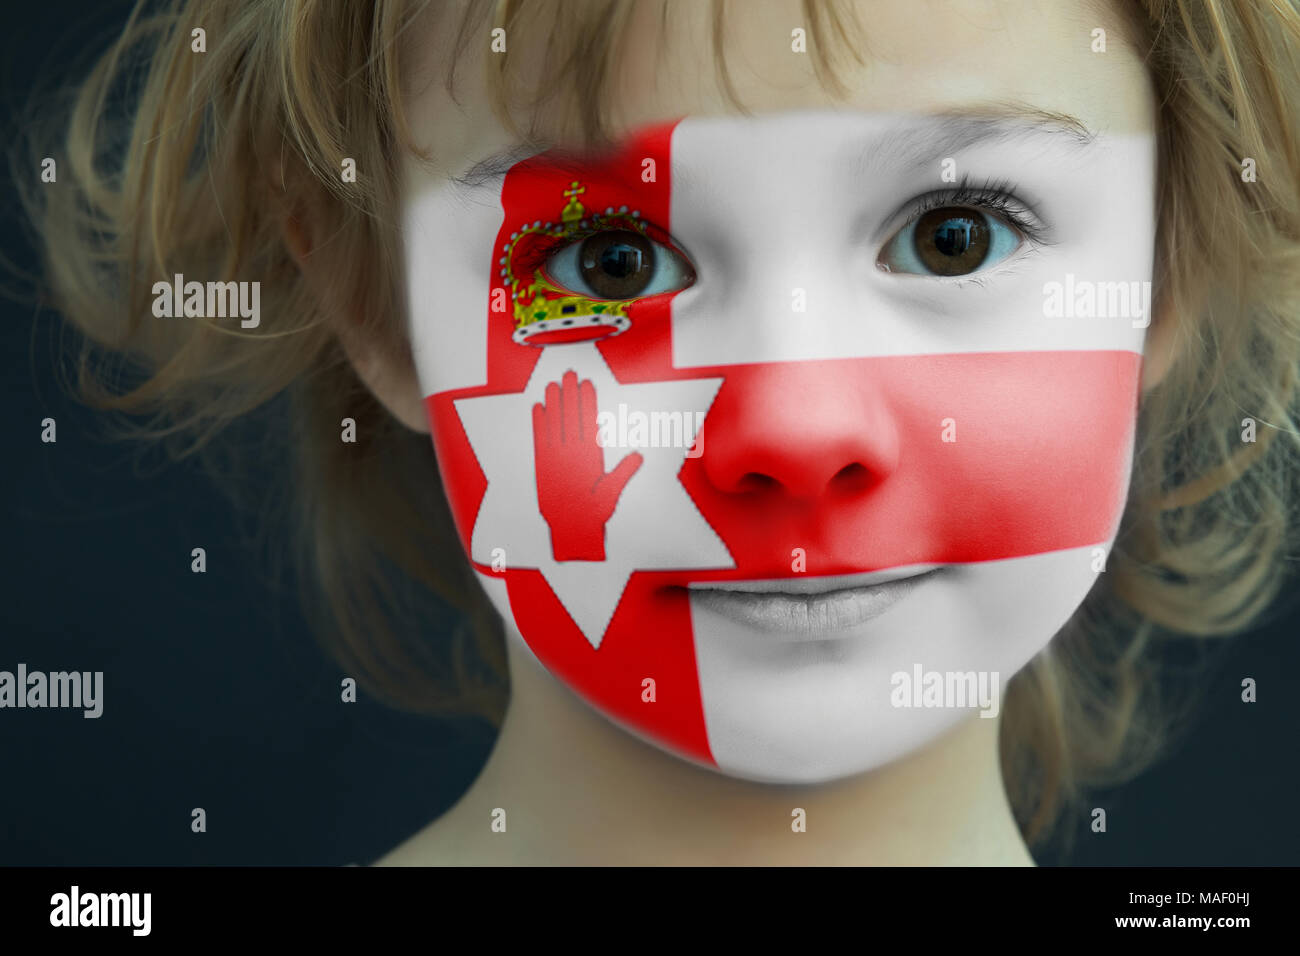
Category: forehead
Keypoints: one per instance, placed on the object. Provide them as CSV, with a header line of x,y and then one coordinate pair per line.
x,y
944,57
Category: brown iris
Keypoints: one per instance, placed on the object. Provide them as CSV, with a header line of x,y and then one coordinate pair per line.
x,y
951,241
616,264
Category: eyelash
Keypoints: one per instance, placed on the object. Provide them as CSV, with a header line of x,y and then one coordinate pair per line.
x,y
542,252
997,196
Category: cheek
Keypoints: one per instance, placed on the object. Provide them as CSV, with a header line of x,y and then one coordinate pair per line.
x,y
1029,452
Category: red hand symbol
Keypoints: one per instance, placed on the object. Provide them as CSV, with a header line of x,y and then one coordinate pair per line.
x,y
574,494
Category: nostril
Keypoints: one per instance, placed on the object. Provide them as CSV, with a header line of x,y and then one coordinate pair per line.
x,y
853,477
754,481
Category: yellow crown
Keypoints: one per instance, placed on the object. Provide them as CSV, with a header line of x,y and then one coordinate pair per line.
x,y
546,314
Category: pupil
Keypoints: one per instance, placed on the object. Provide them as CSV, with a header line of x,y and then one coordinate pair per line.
x,y
953,237
620,260
617,264
952,241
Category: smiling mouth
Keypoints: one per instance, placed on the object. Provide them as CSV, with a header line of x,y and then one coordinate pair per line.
x,y
810,609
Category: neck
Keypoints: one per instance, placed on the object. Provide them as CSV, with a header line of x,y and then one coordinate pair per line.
x,y
578,790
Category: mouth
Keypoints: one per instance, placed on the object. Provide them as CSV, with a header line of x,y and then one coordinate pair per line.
x,y
810,609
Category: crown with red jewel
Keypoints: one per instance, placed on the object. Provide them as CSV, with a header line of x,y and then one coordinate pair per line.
x,y
546,314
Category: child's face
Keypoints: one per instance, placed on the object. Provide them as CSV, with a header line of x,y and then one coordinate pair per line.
x,y
786,440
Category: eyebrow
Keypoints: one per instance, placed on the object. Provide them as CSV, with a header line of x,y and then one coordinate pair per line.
x,y
1011,114
492,169
911,144
918,142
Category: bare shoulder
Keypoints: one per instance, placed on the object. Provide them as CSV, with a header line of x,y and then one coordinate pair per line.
x,y
449,841
435,845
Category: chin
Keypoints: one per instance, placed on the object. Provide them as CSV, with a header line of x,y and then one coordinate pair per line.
x,y
788,709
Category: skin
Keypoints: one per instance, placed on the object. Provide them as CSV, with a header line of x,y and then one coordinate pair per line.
x,y
576,788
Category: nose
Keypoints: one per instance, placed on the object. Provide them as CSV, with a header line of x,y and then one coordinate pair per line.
x,y
809,431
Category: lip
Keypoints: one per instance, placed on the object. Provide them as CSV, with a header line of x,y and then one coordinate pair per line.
x,y
810,609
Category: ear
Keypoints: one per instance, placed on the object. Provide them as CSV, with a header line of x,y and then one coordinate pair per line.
x,y
1158,350
391,379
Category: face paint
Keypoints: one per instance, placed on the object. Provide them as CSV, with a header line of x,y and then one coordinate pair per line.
x,y
912,457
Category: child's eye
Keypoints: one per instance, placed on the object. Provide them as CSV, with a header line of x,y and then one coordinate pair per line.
x,y
950,241
618,264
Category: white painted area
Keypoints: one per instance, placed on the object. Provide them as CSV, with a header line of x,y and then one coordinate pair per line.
x,y
449,234
766,206
809,712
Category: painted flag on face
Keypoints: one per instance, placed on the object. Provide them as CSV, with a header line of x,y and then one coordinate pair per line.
x,y
685,363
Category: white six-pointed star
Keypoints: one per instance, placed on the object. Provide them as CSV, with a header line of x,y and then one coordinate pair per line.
x,y
655,525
